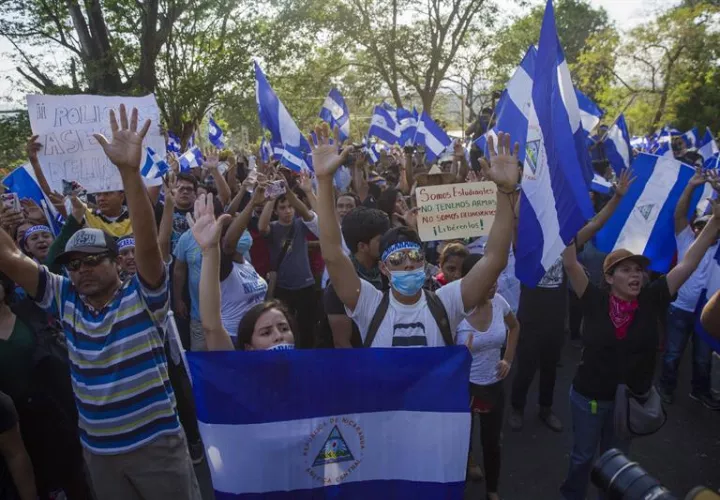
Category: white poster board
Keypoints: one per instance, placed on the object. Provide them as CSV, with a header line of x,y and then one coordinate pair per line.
x,y
456,211
65,125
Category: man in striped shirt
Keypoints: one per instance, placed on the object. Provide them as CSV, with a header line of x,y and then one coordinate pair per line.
x,y
134,445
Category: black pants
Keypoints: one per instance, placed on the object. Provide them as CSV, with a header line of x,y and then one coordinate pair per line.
x,y
538,349
303,305
491,431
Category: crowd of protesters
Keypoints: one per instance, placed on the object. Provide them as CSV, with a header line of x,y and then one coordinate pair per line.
x,y
95,402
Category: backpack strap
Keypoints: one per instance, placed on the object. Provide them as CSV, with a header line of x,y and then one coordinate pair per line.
x,y
437,309
377,319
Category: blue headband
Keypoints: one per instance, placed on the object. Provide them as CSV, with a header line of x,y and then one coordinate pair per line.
x,y
126,243
401,245
36,229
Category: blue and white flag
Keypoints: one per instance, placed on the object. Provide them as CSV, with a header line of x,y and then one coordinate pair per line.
x,y
617,145
384,126
276,119
644,221
407,121
432,136
640,143
173,143
664,144
22,181
266,150
371,150
388,423
554,201
590,113
191,142
192,158
335,113
691,137
513,107
216,136
155,165
707,147
601,185
712,286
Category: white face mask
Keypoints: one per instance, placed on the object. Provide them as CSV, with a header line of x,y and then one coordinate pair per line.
x,y
281,347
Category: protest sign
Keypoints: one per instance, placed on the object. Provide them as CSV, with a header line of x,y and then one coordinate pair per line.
x,y
65,125
455,210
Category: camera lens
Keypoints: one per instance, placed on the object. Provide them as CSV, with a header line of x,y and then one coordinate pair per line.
x,y
622,479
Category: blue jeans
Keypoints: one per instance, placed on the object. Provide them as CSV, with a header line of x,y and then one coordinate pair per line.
x,y
592,432
680,327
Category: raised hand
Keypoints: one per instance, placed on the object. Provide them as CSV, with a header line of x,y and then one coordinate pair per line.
x,y
206,229
326,159
78,208
212,158
503,163
32,211
258,197
32,148
698,178
305,182
714,179
125,150
715,209
624,181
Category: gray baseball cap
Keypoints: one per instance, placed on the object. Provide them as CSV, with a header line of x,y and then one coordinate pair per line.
x,y
90,241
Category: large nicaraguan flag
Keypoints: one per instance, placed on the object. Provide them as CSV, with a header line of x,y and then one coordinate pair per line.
x,y
387,423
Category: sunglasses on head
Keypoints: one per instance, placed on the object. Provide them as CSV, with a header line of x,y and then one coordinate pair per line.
x,y
89,260
400,257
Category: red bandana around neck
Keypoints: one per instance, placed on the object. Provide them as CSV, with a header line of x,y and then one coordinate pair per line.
x,y
622,313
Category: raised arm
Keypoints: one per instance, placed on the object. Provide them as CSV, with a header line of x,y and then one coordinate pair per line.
x,y
326,161
575,272
681,209
307,188
264,221
504,173
590,229
409,172
32,148
206,232
125,152
240,223
459,158
680,273
17,266
166,225
298,205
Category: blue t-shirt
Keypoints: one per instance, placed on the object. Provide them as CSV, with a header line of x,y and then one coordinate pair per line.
x,y
187,250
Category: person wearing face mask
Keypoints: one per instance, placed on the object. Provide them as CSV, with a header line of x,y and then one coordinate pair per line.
x,y
266,325
407,316
620,341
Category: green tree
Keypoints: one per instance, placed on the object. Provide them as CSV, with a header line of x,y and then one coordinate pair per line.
x,y
14,131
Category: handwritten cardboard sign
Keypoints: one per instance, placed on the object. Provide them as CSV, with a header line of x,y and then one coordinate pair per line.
x,y
455,210
66,124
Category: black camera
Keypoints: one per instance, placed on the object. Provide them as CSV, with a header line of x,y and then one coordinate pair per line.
x,y
621,479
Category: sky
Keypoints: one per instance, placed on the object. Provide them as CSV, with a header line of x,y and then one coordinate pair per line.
x,y
624,13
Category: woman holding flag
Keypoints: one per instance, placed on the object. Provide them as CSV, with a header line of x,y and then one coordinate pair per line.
x,y
620,341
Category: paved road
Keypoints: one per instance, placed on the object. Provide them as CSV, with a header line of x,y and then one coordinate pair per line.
x,y
685,453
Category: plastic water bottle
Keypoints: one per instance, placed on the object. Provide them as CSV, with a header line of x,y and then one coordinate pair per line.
x,y
252,173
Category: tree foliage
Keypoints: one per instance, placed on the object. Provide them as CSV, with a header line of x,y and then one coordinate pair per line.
x,y
14,131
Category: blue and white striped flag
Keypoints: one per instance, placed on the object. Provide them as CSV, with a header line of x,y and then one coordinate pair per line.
x,y
266,150
640,143
691,137
590,113
371,150
712,286
216,136
192,158
707,147
664,144
388,423
276,119
617,145
432,136
644,221
336,113
22,181
407,121
554,201
155,165
173,143
384,126
601,185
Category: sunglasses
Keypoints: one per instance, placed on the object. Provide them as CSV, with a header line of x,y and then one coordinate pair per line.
x,y
90,261
401,256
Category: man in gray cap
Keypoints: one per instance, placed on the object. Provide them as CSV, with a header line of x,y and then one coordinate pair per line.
x,y
681,316
133,443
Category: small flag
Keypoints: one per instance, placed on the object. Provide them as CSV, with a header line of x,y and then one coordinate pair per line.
x,y
383,126
155,165
285,133
266,150
22,181
617,146
407,121
691,137
707,148
554,201
644,221
173,144
372,151
335,113
192,158
590,113
215,134
349,435
601,185
432,136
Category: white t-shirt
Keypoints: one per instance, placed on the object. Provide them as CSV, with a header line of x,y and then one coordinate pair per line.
x,y
486,345
689,293
407,325
508,284
242,289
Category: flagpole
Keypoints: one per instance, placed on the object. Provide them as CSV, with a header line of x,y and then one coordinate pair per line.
x,y
632,98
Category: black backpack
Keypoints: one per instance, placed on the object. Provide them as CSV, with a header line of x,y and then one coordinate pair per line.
x,y
437,309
